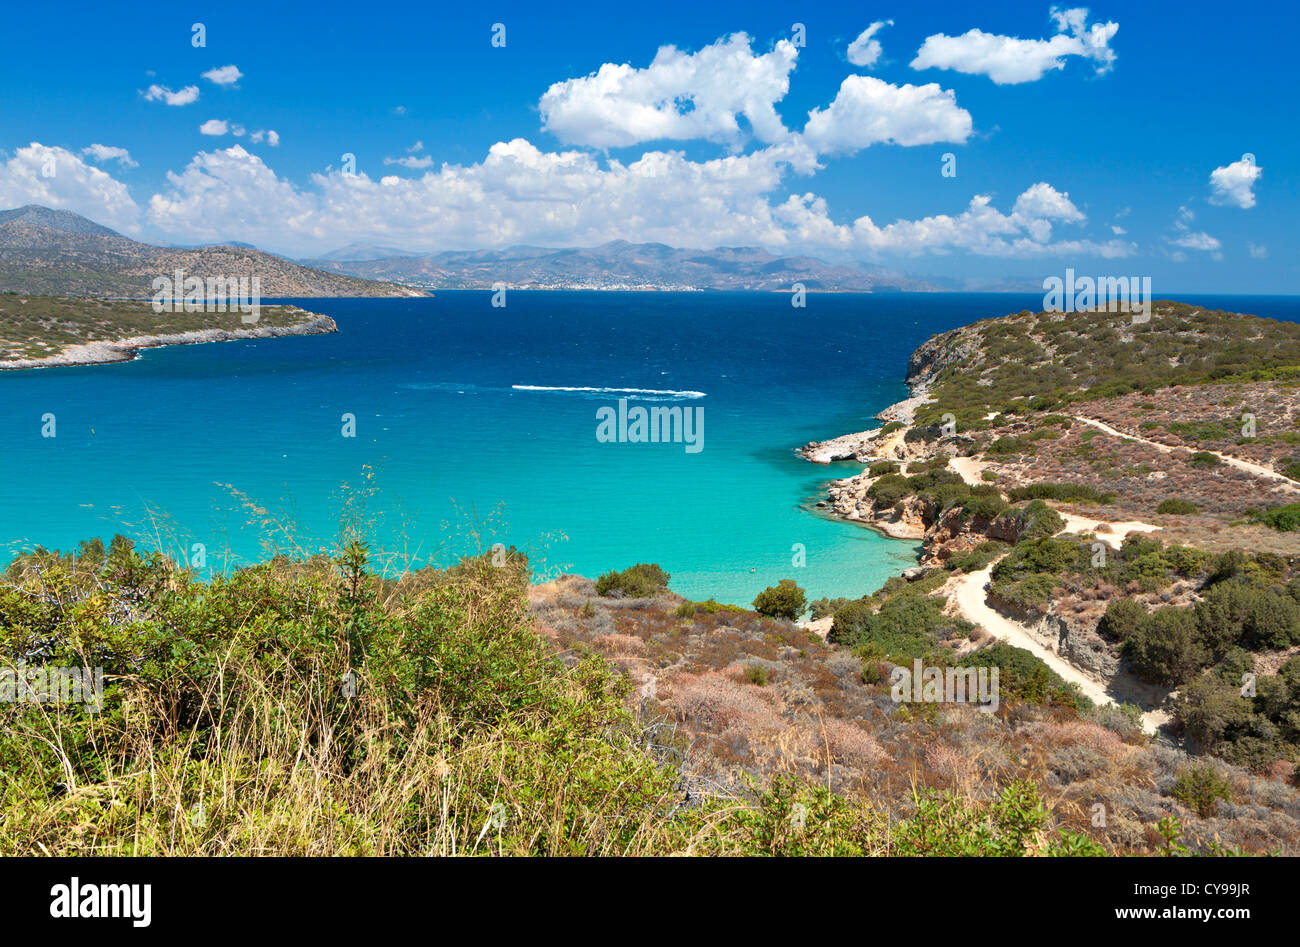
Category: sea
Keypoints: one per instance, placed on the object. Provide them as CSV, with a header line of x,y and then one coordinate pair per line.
x,y
436,427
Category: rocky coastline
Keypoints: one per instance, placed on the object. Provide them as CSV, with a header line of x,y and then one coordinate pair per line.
x,y
107,352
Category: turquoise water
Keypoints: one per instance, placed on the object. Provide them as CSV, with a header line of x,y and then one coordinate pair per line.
x,y
461,419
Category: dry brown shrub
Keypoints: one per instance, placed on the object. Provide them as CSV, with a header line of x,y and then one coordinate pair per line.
x,y
949,764
1077,732
717,703
620,645
850,744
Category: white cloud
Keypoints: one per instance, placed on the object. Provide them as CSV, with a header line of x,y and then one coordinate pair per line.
x,y
868,111
521,194
1234,184
214,126
678,96
272,137
224,75
103,153
183,96
517,194
58,178
865,50
1189,239
1196,240
1257,251
982,229
1008,60
411,161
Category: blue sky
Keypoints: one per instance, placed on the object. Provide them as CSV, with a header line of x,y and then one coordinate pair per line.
x,y
1128,159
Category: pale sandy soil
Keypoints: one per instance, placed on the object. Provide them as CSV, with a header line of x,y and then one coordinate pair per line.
x,y
969,468
1112,534
822,626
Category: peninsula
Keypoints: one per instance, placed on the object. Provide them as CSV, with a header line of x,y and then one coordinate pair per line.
x,y
61,331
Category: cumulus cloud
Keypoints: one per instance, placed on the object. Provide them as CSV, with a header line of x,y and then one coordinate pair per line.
x,y
102,153
224,75
218,126
185,96
1257,251
521,194
58,178
982,229
1008,60
517,194
272,137
1234,185
865,50
679,96
868,111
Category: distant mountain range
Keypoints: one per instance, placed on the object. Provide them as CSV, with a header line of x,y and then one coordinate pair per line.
x,y
56,252
615,265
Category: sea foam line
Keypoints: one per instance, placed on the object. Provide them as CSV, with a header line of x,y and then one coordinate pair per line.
x,y
610,391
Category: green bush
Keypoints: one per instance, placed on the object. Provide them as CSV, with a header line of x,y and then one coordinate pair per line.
x,y
783,600
1284,519
1175,507
1065,492
1023,676
1200,786
825,607
1166,647
642,580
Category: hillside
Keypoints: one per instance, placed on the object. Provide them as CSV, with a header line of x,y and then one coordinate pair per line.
x,y
616,265
1122,498
55,252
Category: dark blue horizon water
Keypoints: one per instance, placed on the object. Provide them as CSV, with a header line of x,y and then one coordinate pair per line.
x,y
176,447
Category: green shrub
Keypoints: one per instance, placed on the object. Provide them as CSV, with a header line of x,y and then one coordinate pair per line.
x,y
1200,786
825,607
713,607
1166,647
1175,507
783,600
882,467
1023,676
1285,519
642,580
1076,492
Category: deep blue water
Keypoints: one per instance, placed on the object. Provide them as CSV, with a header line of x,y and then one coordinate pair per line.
x,y
155,448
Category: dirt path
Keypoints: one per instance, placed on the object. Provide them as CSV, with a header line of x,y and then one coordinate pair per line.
x,y
969,468
969,595
1110,533
1257,469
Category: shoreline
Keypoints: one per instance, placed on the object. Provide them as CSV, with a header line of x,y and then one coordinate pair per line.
x,y
108,352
